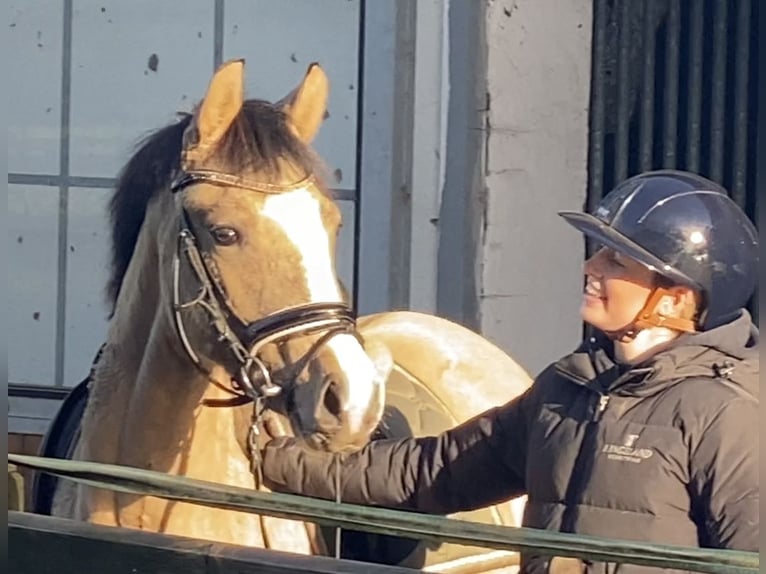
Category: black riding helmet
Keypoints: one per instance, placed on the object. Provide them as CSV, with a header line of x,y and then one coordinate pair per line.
x,y
687,229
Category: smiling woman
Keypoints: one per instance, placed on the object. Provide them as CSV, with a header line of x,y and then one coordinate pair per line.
x,y
616,289
619,289
678,256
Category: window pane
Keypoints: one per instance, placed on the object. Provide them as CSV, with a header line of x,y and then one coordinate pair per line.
x,y
279,40
32,278
34,122
134,64
87,273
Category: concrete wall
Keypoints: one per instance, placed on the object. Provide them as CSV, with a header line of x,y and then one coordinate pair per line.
x,y
461,207
538,84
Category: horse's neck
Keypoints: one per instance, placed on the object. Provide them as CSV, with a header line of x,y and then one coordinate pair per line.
x,y
145,410
142,382
115,375
146,394
168,428
164,426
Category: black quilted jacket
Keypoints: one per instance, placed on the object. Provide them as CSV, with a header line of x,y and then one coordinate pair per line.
x,y
665,451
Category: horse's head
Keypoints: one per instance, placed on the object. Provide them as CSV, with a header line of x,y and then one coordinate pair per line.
x,y
256,299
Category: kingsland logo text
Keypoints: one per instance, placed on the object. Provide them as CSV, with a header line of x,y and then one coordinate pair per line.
x,y
626,451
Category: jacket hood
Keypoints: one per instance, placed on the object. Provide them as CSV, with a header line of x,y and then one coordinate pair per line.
x,y
729,351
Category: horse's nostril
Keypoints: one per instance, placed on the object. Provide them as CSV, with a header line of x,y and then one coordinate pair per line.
x,y
332,402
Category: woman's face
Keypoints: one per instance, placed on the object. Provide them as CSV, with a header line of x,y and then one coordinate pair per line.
x,y
616,289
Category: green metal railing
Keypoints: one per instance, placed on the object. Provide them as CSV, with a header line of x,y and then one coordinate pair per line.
x,y
393,522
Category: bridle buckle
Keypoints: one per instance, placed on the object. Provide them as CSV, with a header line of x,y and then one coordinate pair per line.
x,y
266,387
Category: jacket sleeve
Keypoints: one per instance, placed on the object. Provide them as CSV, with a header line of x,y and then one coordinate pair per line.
x,y
724,477
476,464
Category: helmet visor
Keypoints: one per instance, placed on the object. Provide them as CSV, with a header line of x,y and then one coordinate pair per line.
x,y
608,236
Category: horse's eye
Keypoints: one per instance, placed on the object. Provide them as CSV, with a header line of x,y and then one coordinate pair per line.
x,y
225,235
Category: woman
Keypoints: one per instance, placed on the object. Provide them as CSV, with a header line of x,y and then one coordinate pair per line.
x,y
647,431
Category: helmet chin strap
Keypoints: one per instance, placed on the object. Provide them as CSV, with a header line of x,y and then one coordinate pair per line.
x,y
649,317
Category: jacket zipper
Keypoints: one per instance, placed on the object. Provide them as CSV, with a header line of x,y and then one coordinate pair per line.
x,y
603,401
578,476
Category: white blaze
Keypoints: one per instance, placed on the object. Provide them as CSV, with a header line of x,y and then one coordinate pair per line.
x,y
298,214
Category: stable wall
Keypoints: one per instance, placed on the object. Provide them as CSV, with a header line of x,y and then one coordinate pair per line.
x,y
530,260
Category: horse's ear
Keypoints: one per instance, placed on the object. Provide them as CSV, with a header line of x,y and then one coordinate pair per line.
x,y
306,105
223,102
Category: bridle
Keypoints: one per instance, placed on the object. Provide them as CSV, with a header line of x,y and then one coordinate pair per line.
x,y
253,381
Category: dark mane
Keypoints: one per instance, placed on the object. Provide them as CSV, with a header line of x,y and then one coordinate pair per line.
x,y
258,138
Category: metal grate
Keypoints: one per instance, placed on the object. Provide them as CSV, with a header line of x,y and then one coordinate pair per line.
x,y
674,85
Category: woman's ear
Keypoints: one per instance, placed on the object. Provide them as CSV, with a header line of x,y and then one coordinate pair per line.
x,y
669,305
681,302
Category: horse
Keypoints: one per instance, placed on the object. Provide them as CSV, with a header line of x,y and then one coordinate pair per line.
x,y
229,323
